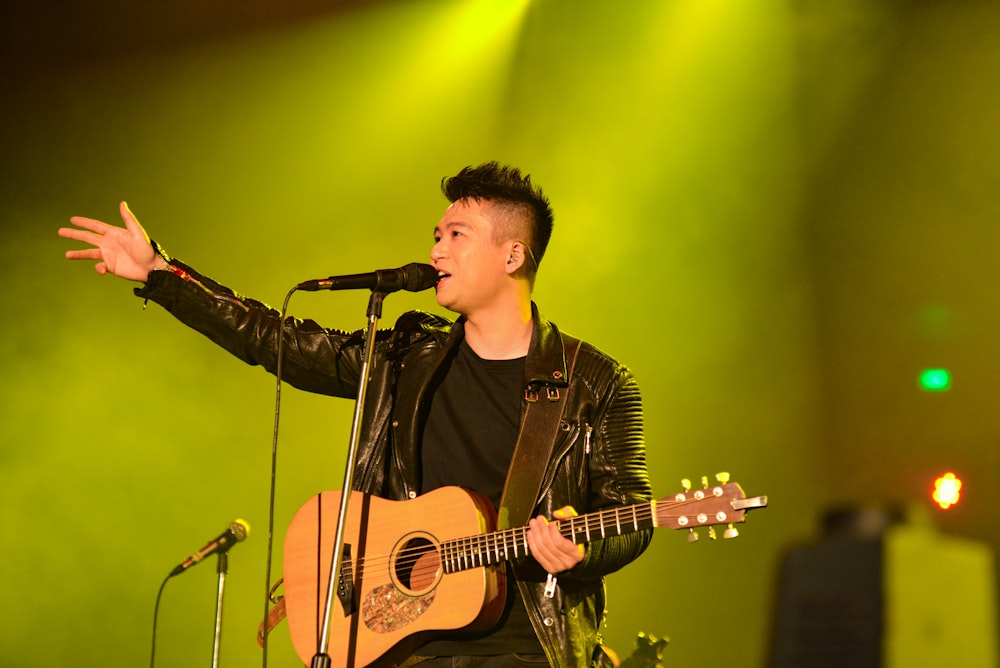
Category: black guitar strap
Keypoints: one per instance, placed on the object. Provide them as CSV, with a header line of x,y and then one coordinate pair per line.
x,y
534,446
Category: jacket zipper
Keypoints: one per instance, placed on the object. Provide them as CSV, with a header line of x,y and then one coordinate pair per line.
x,y
554,468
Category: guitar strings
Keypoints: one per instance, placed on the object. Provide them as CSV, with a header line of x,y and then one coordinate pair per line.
x,y
480,549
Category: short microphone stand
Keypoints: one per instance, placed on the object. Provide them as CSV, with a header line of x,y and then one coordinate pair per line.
x,y
322,659
222,569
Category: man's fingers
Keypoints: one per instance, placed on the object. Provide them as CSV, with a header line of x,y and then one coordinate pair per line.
x,y
131,223
86,254
79,235
537,527
551,549
88,224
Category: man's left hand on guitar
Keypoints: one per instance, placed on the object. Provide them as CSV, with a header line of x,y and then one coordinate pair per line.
x,y
550,548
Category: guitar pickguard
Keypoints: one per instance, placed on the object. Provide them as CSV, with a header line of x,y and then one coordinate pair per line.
x,y
386,609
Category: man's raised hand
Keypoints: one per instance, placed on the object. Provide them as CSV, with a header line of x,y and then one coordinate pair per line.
x,y
123,251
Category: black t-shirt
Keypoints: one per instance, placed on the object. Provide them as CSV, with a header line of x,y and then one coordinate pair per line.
x,y
468,441
472,425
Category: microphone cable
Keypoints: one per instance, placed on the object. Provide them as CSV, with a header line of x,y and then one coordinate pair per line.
x,y
156,613
270,505
274,474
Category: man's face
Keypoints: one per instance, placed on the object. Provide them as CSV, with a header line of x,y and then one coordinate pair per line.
x,y
471,264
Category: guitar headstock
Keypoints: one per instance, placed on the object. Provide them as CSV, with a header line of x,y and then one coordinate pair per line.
x,y
722,503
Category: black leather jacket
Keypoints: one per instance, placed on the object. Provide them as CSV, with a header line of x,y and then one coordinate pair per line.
x,y
598,461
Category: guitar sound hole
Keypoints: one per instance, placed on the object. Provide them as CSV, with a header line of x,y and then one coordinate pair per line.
x,y
416,564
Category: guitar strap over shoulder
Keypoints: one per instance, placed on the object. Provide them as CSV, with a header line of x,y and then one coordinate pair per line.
x,y
535,443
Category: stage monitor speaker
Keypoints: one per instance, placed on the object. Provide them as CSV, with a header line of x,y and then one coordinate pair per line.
x,y
883,590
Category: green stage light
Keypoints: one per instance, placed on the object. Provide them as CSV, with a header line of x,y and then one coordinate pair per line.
x,y
935,380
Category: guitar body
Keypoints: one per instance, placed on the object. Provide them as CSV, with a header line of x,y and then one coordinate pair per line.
x,y
399,594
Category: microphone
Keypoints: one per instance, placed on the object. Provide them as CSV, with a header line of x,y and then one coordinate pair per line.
x,y
414,277
236,532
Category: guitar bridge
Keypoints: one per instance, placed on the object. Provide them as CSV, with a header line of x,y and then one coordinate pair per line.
x,y
345,583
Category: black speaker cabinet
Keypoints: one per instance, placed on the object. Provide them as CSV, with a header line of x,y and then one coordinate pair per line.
x,y
885,594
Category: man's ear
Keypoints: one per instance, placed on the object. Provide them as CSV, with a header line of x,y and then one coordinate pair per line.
x,y
515,257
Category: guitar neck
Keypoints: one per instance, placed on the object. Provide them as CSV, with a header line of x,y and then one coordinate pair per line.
x,y
721,504
500,546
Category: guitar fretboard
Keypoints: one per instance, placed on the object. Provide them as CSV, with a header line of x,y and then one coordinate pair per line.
x,y
493,548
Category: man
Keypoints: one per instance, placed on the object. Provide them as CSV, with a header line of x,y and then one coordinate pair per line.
x,y
446,400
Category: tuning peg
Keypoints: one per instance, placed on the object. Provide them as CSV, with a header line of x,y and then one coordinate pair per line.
x,y
704,482
711,532
722,476
686,484
731,532
692,536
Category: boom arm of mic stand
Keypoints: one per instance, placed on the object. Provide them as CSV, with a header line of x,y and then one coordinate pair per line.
x,y
322,659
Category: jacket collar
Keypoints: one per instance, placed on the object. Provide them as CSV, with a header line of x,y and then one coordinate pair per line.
x,y
545,364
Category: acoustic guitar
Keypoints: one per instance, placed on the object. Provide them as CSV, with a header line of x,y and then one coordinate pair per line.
x,y
413,569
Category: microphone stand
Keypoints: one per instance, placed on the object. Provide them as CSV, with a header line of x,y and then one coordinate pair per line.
x,y
223,568
322,659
